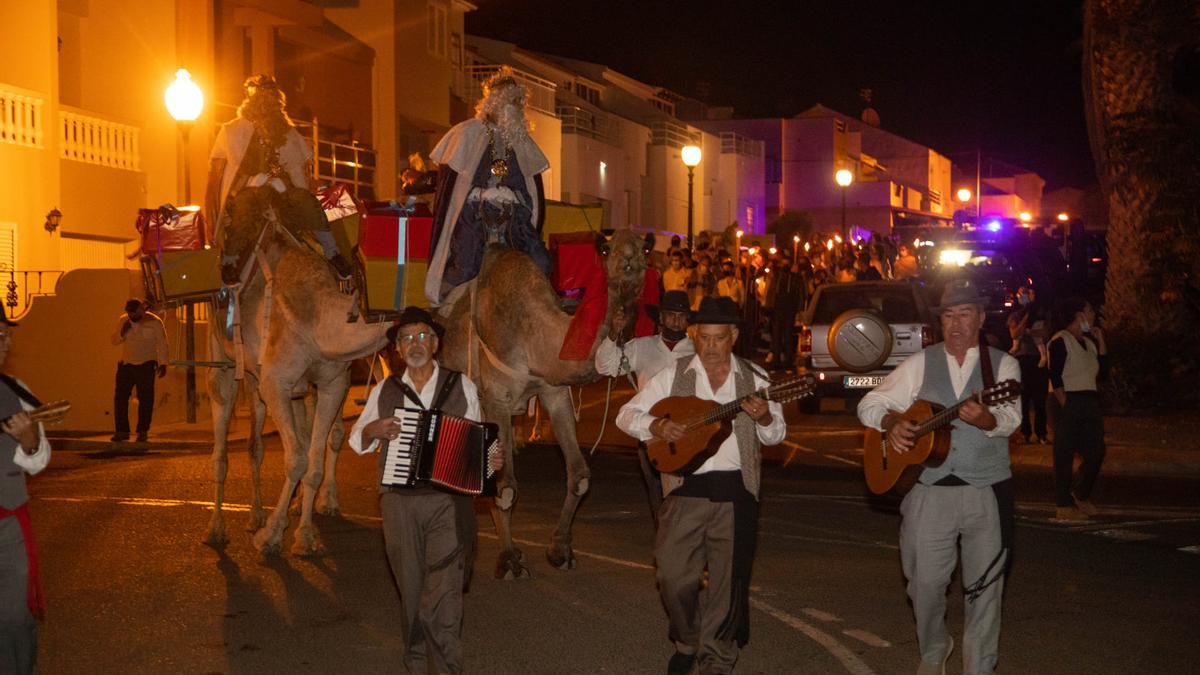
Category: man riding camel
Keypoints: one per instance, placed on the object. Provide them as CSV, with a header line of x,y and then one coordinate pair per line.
x,y
489,189
260,162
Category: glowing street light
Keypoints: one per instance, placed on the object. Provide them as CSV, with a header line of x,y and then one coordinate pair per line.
x,y
964,195
1025,216
691,158
1063,217
185,102
843,177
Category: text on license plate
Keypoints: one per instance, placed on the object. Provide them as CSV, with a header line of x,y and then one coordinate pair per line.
x,y
863,381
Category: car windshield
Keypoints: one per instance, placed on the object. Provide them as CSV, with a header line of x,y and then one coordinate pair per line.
x,y
896,304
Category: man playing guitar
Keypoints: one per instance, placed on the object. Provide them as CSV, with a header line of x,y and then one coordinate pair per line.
x,y
708,517
968,495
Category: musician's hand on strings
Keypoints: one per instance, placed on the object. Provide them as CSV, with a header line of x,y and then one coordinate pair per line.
x,y
977,415
901,433
22,428
667,430
758,410
384,429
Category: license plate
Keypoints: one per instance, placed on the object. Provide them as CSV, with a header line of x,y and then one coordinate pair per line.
x,y
862,381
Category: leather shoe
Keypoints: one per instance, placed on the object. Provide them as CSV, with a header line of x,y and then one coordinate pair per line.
x,y
681,664
1088,508
119,438
1070,513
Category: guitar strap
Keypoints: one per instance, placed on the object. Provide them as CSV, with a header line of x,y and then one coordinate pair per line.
x,y
985,364
20,391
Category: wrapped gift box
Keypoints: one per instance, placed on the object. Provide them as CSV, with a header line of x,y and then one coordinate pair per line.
x,y
344,215
163,230
189,273
392,287
563,218
395,249
380,234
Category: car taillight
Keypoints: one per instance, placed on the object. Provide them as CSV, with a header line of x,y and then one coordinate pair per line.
x,y
926,336
805,341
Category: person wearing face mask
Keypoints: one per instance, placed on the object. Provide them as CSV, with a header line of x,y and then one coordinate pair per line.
x,y
644,357
1078,358
1027,327
429,534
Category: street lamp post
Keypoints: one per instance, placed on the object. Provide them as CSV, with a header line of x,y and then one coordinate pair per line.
x,y
844,178
691,158
184,102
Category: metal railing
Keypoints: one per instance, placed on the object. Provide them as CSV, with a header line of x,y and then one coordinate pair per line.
x,y
348,163
540,92
737,144
597,125
86,137
21,118
674,134
25,285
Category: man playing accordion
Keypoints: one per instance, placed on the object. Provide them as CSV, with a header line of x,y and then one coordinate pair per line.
x,y
429,534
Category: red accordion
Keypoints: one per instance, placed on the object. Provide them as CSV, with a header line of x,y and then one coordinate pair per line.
x,y
439,448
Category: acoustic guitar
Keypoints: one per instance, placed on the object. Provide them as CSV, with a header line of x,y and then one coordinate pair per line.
x,y
887,469
709,423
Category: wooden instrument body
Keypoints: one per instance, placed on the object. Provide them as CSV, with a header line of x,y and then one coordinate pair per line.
x,y
701,442
886,469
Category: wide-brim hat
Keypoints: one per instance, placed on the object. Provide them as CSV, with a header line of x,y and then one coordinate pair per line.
x,y
410,315
672,301
960,292
721,310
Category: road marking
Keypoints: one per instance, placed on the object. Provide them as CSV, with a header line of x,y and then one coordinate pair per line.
x,y
867,637
831,540
820,616
1122,535
1190,549
843,460
848,659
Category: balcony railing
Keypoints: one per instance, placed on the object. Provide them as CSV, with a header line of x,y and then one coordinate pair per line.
x,y
348,163
21,118
95,140
733,143
674,134
22,286
540,91
597,125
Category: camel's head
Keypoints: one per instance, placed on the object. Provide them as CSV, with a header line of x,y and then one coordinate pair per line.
x,y
626,266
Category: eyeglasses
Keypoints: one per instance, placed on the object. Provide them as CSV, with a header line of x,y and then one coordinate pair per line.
x,y
422,336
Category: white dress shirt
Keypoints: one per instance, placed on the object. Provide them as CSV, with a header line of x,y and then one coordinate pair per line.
x,y
37,461
647,355
635,418
899,390
370,412
146,340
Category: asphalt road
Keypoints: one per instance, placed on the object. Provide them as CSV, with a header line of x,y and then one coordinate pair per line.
x,y
133,590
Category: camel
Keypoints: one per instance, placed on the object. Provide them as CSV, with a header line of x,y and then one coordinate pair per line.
x,y
308,344
518,319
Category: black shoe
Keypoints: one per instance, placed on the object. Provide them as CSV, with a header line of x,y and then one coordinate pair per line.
x,y
141,437
344,271
681,664
229,274
119,437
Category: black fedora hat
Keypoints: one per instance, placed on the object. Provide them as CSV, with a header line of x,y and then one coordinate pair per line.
x,y
410,315
722,310
672,301
961,292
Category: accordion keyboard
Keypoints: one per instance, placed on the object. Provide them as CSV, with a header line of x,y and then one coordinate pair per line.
x,y
399,467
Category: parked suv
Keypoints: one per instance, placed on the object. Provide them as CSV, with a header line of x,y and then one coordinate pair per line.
x,y
854,334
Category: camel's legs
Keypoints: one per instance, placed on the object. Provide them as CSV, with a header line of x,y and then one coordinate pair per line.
x,y
510,564
331,394
562,416
222,395
276,391
328,501
258,418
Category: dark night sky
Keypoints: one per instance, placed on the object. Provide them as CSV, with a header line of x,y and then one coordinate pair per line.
x,y
1003,75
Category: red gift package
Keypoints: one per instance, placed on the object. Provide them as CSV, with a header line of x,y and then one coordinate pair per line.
x,y
171,229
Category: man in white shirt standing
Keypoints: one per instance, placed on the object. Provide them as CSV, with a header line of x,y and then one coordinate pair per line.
x,y
143,342
644,357
709,517
429,534
968,500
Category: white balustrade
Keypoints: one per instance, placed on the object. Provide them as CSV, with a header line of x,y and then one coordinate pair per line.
x,y
94,140
21,117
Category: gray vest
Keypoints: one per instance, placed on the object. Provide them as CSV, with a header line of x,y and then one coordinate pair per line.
x,y
391,396
974,457
743,426
12,477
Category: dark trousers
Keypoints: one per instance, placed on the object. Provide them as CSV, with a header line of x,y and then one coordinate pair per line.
x,y
1034,382
783,334
129,377
1080,429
